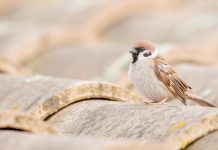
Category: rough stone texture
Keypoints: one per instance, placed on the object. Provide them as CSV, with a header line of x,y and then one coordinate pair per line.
x,y
25,141
51,99
10,120
208,142
22,93
42,96
84,39
181,125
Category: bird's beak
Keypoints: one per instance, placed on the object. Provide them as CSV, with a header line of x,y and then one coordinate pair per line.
x,y
133,51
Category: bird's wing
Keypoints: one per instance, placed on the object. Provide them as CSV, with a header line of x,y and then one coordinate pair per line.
x,y
168,76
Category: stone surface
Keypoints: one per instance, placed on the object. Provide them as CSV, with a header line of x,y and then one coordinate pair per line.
x,y
176,123
42,96
24,141
208,142
90,39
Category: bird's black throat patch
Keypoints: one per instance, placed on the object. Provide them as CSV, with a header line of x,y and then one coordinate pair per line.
x,y
134,57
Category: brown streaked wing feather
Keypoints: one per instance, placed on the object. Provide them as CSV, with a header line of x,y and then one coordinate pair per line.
x,y
167,75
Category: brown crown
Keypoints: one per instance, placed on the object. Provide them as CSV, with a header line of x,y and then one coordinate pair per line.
x,y
144,44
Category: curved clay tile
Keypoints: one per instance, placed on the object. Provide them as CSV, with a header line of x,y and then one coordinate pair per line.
x,y
11,120
41,96
178,124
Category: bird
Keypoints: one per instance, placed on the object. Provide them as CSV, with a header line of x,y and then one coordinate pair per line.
x,y
155,79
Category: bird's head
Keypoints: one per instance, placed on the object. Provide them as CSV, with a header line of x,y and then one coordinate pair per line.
x,y
142,49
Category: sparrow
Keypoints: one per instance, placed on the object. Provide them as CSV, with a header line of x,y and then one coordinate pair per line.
x,y
157,80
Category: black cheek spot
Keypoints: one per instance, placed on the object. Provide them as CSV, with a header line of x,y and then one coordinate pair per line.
x,y
147,54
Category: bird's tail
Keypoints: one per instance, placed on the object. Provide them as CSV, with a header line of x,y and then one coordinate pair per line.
x,y
199,100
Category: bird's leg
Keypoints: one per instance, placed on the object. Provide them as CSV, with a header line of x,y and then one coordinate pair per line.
x,y
160,103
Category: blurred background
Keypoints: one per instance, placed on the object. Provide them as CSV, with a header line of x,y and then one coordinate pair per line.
x,y
90,39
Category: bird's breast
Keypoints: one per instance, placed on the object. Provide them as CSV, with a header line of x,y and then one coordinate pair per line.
x,y
145,81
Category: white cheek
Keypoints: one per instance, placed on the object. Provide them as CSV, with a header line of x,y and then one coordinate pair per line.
x,y
141,57
156,52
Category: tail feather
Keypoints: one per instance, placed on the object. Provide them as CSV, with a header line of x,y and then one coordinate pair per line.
x,y
199,100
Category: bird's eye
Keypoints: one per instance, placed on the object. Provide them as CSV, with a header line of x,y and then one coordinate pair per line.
x,y
140,49
147,54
